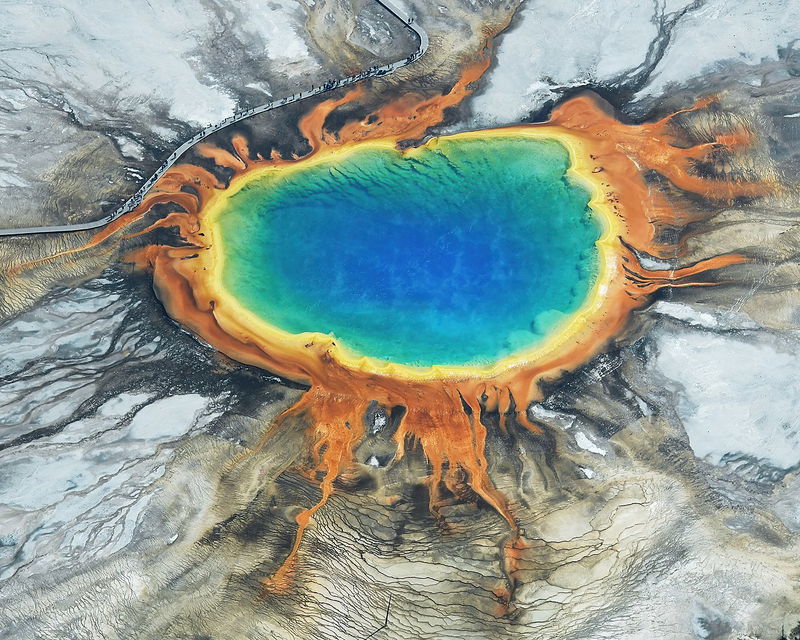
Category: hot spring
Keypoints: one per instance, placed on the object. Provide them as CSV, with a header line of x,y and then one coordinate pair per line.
x,y
460,252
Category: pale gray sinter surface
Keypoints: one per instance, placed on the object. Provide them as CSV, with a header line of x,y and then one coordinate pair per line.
x,y
301,94
639,47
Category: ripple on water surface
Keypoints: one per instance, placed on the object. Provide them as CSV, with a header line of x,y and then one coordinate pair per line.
x,y
460,252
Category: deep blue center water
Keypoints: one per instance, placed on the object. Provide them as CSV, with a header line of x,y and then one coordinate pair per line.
x,y
463,253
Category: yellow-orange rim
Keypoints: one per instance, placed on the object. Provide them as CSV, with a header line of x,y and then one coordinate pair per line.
x,y
271,338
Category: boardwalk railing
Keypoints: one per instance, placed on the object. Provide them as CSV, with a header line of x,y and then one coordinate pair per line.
x,y
136,199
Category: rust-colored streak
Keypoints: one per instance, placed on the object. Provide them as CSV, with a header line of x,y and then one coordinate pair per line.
x,y
222,157
411,116
335,436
